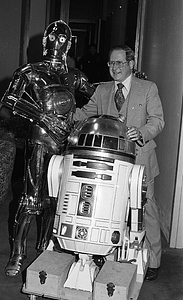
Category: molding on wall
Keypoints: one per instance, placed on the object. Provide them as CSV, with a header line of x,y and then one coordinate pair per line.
x,y
176,237
24,35
64,10
139,34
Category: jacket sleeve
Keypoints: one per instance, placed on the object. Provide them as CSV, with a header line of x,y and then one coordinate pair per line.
x,y
154,122
88,110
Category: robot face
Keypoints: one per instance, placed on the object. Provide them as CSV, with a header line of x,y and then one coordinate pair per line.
x,y
57,41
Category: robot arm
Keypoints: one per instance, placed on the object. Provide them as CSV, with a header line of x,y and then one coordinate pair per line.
x,y
14,97
82,85
85,87
21,107
54,126
18,100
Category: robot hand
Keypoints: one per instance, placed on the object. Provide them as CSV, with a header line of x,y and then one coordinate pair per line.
x,y
57,127
22,107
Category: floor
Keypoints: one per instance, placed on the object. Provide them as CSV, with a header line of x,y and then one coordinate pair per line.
x,y
168,285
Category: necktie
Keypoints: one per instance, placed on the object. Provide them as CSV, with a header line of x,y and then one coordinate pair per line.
x,y
119,97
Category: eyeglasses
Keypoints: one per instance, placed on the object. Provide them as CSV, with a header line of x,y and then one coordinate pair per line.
x,y
118,63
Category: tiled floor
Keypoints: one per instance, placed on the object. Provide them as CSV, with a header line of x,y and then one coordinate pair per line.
x,y
168,286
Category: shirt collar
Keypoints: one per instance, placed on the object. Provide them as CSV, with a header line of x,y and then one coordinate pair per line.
x,y
126,83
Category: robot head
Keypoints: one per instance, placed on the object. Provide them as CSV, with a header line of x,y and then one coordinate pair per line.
x,y
102,135
56,43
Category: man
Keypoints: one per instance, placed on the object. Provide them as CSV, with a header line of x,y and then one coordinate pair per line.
x,y
143,114
43,93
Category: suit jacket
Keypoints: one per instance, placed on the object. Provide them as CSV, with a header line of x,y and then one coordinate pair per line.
x,y
142,108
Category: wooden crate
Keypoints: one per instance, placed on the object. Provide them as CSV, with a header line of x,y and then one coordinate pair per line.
x,y
115,281
52,268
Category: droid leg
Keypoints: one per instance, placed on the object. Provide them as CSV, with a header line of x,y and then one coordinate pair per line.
x,y
82,274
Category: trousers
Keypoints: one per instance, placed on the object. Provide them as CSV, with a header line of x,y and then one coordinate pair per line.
x,y
152,224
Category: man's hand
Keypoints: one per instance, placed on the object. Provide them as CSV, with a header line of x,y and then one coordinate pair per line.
x,y
134,134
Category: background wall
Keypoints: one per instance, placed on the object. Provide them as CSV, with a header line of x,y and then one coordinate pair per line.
x,y
10,33
101,21
162,54
36,30
10,20
162,61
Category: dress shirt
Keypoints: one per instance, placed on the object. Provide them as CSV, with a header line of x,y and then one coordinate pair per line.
x,y
127,85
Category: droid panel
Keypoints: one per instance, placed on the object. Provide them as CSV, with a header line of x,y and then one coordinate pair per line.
x,y
92,205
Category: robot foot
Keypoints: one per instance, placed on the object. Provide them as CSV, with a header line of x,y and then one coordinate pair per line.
x,y
14,265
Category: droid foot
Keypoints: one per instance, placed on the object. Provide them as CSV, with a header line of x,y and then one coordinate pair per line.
x,y
14,265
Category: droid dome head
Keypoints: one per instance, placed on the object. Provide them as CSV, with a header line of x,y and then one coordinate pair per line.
x,y
56,43
103,136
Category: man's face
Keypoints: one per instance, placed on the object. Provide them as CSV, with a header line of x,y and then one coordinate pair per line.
x,y
119,68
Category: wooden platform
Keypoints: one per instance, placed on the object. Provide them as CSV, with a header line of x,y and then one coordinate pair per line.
x,y
69,294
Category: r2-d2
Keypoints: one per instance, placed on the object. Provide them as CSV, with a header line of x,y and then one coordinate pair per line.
x,y
101,199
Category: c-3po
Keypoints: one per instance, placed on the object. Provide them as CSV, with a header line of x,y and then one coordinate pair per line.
x,y
43,93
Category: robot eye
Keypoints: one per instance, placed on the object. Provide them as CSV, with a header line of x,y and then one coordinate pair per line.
x,y
51,37
62,39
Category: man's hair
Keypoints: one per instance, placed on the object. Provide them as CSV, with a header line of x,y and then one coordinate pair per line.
x,y
130,55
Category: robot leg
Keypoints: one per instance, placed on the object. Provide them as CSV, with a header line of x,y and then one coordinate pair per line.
x,y
47,221
52,174
21,229
28,207
53,168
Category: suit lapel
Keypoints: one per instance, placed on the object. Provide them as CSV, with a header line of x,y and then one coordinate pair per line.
x,y
108,107
135,90
134,100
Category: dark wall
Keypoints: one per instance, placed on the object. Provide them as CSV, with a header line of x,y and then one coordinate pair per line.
x,y
162,62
